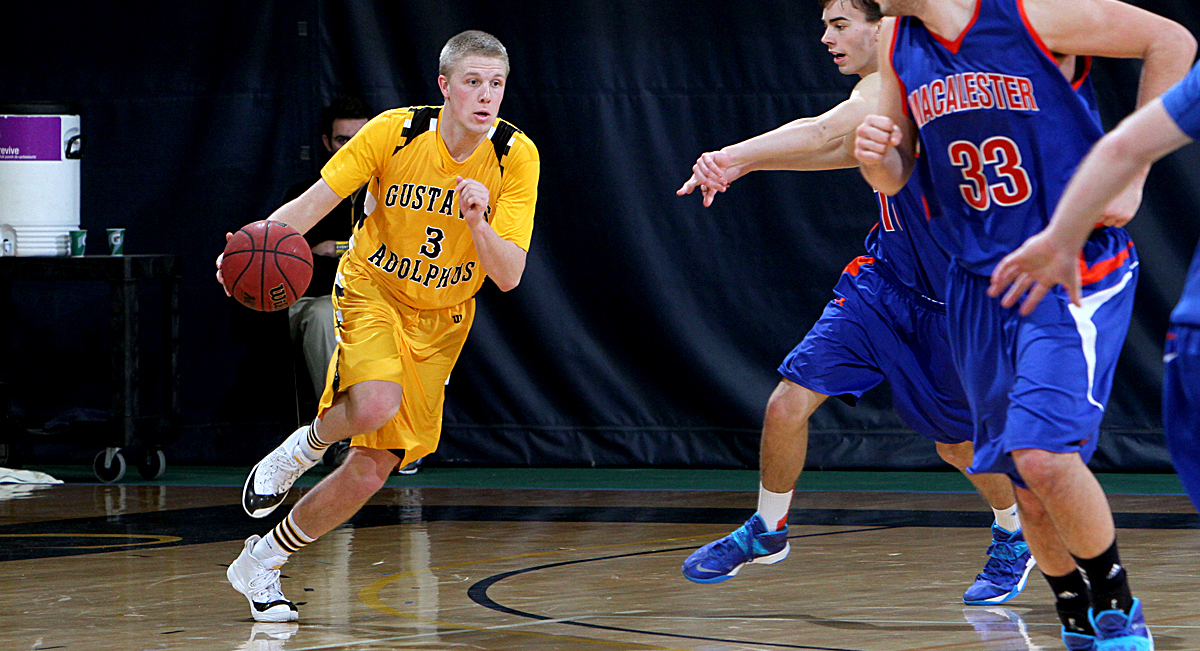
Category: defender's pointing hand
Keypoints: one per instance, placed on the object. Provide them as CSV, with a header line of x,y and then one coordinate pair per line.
x,y
712,173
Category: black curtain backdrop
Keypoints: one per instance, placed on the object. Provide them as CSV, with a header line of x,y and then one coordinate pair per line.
x,y
646,330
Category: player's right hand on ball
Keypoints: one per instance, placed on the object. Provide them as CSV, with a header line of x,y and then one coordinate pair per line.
x,y
874,138
220,259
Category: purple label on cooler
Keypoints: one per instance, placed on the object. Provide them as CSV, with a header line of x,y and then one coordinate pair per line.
x,y
30,137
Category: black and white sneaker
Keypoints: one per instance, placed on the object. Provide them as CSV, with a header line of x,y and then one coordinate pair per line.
x,y
272,478
260,585
410,469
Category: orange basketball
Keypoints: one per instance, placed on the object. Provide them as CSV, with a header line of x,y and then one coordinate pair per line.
x,y
267,266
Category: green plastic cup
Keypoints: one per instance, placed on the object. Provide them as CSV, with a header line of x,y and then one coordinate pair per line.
x,y
116,241
78,243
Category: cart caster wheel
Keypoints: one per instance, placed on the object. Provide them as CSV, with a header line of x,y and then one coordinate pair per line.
x,y
111,473
153,464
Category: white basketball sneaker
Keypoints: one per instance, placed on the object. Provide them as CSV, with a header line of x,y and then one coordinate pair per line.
x,y
272,478
260,585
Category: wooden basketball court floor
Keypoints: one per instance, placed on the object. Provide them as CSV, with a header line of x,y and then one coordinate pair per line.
x,y
142,567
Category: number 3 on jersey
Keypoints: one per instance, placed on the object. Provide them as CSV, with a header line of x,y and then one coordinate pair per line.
x,y
432,247
1001,153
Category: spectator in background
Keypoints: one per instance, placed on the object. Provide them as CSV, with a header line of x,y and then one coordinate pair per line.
x,y
310,318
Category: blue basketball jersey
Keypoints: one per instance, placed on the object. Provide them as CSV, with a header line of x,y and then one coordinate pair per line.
x,y
1001,129
1183,105
903,242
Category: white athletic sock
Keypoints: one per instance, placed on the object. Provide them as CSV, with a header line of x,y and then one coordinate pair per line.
x,y
311,445
281,542
1008,519
773,507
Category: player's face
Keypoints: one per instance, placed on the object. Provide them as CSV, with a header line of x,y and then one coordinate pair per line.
x,y
473,92
343,130
850,38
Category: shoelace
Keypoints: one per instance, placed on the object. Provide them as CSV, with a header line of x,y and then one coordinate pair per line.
x,y
1113,623
1007,551
281,464
265,586
739,541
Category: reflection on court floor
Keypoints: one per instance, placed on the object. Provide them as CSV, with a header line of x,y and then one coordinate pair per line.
x,y
142,567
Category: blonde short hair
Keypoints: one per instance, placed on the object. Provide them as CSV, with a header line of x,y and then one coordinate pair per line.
x,y
470,43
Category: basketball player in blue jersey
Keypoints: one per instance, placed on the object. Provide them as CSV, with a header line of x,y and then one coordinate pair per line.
x,y
1051,258
888,321
1000,132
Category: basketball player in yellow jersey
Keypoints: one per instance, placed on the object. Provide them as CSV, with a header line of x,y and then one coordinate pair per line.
x,y
452,194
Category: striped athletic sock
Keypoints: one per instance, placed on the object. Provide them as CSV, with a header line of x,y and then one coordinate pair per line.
x,y
312,446
282,541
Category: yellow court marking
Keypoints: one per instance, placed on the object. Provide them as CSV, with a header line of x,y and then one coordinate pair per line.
x,y
155,539
369,595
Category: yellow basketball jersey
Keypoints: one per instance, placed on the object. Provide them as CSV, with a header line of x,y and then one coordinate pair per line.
x,y
412,237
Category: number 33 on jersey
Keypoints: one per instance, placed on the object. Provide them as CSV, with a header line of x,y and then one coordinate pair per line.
x,y
411,236
1002,126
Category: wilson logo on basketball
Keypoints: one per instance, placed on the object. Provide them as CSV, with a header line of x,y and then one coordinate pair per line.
x,y
279,297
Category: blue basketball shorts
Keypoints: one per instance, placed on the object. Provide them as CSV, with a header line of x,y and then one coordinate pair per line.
x,y
1042,381
1181,405
877,328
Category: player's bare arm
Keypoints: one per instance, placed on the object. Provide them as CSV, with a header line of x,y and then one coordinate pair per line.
x,y
801,145
1108,185
1050,258
502,260
1109,28
1114,29
303,212
806,144
885,142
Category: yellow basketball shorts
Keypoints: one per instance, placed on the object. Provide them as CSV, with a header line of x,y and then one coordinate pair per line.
x,y
379,338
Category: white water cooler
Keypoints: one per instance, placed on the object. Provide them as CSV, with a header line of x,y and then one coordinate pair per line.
x,y
40,149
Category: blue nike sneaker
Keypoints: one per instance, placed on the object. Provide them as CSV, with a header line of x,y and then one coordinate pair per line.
x,y
1004,576
1116,631
750,543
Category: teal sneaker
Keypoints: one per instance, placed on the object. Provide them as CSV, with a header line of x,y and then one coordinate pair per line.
x,y
1078,641
1116,631
750,543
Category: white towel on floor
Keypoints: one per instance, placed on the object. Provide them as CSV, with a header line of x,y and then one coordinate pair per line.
x,y
11,476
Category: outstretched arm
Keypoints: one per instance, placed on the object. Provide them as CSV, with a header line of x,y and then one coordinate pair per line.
x,y
885,143
805,144
1051,258
303,212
